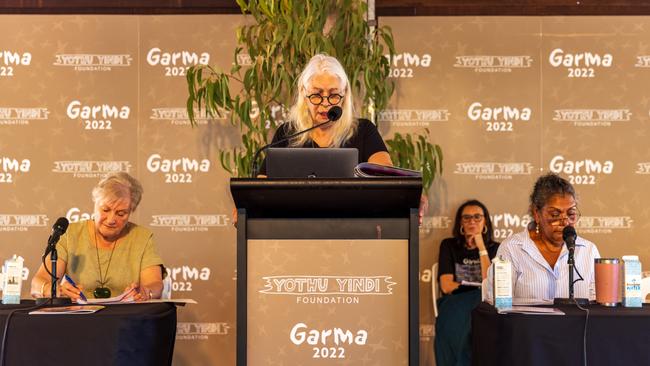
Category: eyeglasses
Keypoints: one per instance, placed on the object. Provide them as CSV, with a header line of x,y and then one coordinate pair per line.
x,y
476,217
332,99
556,218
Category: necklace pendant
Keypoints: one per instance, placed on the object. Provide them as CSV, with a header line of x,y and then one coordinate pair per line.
x,y
102,293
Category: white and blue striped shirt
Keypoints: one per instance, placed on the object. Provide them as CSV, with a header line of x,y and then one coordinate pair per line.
x,y
534,279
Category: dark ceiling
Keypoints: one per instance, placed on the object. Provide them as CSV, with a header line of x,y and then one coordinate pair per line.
x,y
383,7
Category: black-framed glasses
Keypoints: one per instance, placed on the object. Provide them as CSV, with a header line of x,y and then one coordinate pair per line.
x,y
476,217
556,217
332,99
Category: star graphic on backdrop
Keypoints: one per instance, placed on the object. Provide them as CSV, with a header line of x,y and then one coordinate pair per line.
x,y
398,344
17,203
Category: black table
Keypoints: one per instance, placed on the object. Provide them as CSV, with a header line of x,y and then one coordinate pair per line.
x,y
615,336
125,334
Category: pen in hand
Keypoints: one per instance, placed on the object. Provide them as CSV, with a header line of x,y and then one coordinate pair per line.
x,y
81,294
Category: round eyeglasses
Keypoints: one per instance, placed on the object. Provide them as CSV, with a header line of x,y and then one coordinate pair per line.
x,y
476,217
332,99
557,218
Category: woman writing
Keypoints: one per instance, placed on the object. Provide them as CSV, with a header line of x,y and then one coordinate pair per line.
x,y
107,255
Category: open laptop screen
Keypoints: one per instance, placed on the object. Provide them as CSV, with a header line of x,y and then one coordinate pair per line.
x,y
311,163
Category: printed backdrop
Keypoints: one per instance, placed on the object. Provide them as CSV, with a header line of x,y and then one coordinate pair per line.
x,y
507,98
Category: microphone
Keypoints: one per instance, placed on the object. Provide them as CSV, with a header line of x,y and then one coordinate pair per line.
x,y
569,236
333,115
58,229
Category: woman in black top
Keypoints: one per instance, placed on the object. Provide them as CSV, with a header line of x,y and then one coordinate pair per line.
x,y
323,84
465,258
462,265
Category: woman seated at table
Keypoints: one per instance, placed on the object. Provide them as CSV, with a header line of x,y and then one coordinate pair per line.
x,y
107,255
462,265
538,254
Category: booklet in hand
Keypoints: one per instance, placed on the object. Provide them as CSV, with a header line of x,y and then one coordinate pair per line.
x,y
370,170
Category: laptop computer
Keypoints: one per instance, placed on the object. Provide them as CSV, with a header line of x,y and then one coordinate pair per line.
x,y
311,163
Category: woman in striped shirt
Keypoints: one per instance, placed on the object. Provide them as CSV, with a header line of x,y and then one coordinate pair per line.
x,y
538,254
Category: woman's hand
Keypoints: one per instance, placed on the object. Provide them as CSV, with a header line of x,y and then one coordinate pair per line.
x,y
478,241
139,293
67,290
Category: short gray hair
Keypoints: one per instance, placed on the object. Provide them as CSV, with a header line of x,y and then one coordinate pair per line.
x,y
116,186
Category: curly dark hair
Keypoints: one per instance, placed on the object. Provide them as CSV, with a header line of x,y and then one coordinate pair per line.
x,y
487,237
547,186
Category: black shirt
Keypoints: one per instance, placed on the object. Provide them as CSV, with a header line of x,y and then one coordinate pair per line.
x,y
463,263
366,139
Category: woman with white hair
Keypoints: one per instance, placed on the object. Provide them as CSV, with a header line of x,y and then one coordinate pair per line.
x,y
321,85
106,255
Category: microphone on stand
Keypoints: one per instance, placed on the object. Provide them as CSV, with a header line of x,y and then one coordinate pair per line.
x,y
569,235
333,115
59,228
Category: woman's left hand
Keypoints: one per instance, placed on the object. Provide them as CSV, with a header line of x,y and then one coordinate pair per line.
x,y
140,293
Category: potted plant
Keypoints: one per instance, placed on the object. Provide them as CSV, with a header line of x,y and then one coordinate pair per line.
x,y
283,37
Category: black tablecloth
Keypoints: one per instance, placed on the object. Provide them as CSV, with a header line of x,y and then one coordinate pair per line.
x,y
615,336
125,334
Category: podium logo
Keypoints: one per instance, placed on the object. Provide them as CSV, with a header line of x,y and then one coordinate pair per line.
x,y
413,117
603,224
581,171
580,65
498,119
326,289
97,117
90,168
176,63
10,166
179,116
183,277
334,338
91,61
493,170
592,117
9,60
403,64
22,222
486,63
190,222
22,116
177,170
188,331
74,214
506,224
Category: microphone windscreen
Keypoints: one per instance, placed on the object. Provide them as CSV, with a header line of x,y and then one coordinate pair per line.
x,y
61,225
569,235
334,113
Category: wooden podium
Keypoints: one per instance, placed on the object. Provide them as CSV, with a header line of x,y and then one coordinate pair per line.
x,y
327,271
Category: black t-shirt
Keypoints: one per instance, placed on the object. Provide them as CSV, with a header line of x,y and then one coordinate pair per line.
x,y
463,263
367,140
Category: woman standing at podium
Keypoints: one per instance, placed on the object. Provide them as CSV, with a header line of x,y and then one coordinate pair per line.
x,y
106,255
323,84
